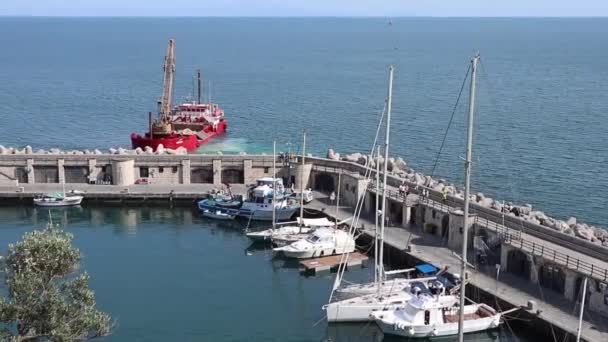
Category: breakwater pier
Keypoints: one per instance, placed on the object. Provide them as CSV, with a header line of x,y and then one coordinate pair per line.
x,y
538,263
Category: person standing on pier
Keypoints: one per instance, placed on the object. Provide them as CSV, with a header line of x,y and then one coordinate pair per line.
x,y
444,195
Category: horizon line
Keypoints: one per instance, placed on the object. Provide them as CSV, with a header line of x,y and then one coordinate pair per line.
x,y
308,16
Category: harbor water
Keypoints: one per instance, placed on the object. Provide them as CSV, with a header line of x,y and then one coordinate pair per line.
x,y
170,275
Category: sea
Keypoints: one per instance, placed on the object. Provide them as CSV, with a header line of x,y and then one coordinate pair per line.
x,y
541,123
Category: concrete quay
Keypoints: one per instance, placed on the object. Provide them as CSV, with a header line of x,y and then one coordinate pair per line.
x,y
553,314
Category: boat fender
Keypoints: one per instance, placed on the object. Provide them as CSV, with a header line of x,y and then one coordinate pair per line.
x,y
411,331
435,332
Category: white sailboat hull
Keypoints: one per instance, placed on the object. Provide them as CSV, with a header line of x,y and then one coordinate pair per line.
x,y
360,309
64,202
268,234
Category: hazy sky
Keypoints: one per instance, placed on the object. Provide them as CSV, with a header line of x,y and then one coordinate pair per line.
x,y
384,8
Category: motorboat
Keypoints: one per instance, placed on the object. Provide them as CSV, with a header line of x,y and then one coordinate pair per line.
x,y
321,242
57,200
427,315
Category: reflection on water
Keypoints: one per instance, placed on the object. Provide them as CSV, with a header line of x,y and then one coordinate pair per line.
x,y
161,272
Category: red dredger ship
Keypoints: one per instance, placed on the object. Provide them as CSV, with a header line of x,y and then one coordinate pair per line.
x,y
187,125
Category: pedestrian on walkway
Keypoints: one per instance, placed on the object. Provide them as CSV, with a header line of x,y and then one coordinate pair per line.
x,y
444,195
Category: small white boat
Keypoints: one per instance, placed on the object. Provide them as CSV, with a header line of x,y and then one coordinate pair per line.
x,y
218,215
389,295
268,234
428,316
322,242
57,200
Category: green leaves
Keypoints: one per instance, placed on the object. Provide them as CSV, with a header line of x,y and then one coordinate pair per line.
x,y
46,300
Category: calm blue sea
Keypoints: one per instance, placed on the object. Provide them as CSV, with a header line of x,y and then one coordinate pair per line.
x,y
542,109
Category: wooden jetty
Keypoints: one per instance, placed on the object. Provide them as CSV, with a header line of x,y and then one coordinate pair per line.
x,y
328,263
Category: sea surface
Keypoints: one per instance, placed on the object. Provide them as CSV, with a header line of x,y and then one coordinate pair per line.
x,y
169,275
542,114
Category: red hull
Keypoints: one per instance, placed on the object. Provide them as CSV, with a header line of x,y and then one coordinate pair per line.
x,y
173,141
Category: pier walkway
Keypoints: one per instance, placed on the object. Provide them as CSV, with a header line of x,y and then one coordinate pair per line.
x,y
551,307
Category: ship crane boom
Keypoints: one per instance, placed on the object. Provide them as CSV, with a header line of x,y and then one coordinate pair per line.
x,y
164,103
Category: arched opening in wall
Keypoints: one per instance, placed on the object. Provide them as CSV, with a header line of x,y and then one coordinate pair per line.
x,y
413,216
396,213
422,214
325,183
76,174
203,175
578,290
445,225
552,277
21,175
233,176
430,228
518,264
46,174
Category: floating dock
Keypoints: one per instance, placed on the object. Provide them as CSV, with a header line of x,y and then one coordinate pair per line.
x,y
329,263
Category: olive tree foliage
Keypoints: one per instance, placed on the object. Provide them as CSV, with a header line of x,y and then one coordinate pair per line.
x,y
47,300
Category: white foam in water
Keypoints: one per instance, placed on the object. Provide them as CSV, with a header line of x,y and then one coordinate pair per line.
x,y
230,146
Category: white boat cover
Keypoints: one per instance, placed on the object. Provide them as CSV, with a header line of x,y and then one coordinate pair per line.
x,y
316,222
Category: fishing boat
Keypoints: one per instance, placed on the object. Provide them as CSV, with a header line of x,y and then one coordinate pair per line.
x,y
57,200
188,125
218,215
321,242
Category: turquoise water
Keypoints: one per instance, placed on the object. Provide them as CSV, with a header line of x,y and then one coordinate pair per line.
x,y
170,275
542,109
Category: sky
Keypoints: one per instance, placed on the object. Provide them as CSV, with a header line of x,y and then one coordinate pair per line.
x,y
294,8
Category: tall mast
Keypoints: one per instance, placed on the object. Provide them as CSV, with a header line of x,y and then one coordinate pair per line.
x,y
302,179
384,177
338,196
580,318
198,78
467,185
164,103
274,182
376,268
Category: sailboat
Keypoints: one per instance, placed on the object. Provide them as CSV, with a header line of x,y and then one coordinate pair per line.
x,y
287,233
382,294
428,314
59,199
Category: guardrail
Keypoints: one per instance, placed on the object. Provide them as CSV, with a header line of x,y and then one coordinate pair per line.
x,y
513,237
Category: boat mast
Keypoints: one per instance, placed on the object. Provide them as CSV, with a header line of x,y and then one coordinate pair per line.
x,y
376,268
198,77
274,182
580,317
164,103
467,185
302,179
338,196
384,178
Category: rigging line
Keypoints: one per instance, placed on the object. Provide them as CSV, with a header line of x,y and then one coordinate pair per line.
x,y
358,205
445,135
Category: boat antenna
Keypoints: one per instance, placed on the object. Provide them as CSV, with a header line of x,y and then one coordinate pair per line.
x,y
198,78
377,215
389,103
209,93
274,182
302,180
467,186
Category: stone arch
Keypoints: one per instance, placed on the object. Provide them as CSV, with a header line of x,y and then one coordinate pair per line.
x,y
202,175
233,176
413,216
324,182
552,277
445,226
518,263
396,212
